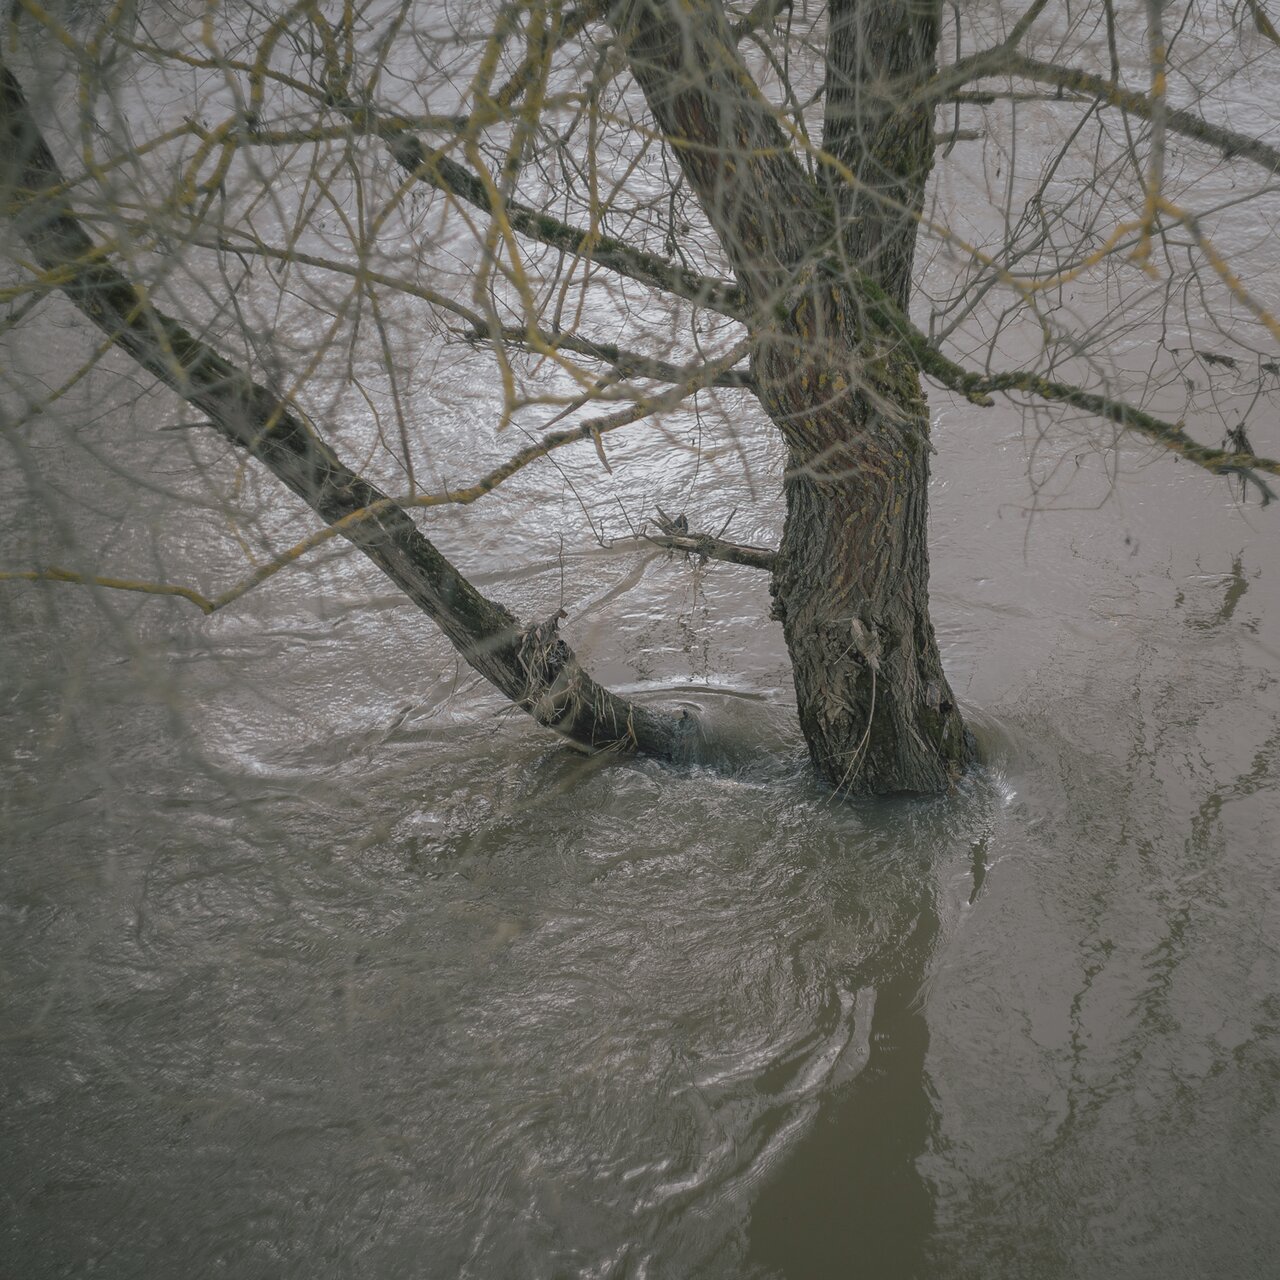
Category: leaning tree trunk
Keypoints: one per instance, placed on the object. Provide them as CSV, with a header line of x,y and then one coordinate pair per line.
x,y
851,578
531,665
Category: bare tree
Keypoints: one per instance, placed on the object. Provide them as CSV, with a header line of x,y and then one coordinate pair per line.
x,y
744,194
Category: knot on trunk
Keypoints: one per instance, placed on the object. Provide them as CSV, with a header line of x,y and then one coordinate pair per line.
x,y
561,696
542,655
847,672
867,645
777,605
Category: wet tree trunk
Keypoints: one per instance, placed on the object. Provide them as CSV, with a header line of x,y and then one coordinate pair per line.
x,y
851,583
852,575
851,578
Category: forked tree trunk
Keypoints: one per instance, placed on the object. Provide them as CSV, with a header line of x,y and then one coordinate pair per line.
x,y
851,582
851,578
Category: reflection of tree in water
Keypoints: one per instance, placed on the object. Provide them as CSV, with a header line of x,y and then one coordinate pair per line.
x,y
1136,1091
849,1199
1183,857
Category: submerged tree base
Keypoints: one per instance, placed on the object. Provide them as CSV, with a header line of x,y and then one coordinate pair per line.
x,y
851,580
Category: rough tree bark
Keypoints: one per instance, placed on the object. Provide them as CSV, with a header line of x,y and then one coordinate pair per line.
x,y
850,581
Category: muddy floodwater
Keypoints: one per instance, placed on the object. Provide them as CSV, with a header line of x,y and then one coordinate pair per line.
x,y
317,960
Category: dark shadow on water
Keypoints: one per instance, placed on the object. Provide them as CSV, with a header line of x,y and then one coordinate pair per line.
x,y
848,1200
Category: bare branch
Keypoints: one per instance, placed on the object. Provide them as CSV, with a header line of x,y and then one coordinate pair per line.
x,y
648,268
628,364
1168,435
574,22
1230,142
676,536
891,321
346,526
55,574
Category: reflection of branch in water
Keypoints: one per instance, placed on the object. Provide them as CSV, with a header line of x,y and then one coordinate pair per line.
x,y
1235,590
980,867
1237,584
849,1199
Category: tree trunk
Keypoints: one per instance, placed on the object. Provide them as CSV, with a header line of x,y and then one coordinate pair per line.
x,y
878,53
851,580
852,583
